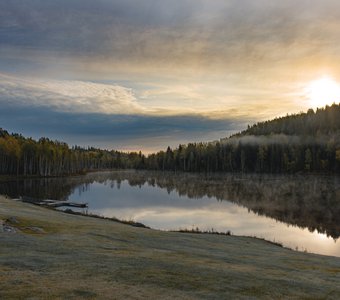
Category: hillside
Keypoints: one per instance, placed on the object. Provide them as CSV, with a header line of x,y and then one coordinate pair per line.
x,y
305,142
323,121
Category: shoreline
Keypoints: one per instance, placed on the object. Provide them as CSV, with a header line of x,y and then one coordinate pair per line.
x,y
180,230
184,231
210,173
54,255
141,225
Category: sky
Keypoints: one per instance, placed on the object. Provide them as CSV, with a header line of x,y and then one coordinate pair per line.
x,y
142,75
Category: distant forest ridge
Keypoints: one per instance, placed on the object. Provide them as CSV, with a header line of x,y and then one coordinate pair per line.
x,y
305,142
323,121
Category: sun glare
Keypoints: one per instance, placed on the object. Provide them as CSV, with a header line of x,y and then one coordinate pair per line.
x,y
322,92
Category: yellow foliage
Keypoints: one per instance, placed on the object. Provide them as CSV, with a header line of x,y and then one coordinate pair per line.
x,y
337,155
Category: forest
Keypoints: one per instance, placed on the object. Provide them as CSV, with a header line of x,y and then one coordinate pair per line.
x,y
27,157
304,142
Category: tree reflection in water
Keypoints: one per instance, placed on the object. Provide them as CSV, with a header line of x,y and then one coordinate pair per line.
x,y
307,201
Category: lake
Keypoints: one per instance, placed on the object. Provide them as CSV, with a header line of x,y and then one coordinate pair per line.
x,y
300,211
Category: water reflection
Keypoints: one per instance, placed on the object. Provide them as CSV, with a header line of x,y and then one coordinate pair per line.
x,y
303,211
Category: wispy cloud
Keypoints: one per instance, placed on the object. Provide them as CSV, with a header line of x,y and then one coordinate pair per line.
x,y
193,33
103,115
230,51
68,96
215,101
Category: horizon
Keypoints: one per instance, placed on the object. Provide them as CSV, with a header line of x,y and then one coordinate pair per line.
x,y
147,153
134,76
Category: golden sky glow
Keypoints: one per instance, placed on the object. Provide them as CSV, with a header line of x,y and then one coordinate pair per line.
x,y
322,92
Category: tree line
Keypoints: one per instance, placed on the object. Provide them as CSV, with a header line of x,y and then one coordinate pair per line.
x,y
305,142
308,142
27,157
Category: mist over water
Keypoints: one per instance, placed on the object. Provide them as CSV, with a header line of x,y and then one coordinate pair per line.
x,y
300,211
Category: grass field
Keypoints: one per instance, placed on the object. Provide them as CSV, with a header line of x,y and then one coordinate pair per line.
x,y
45,254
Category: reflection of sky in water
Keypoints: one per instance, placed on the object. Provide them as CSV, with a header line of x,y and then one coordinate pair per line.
x,y
157,208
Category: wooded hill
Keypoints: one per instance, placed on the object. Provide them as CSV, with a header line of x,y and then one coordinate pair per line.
x,y
324,121
301,142
308,142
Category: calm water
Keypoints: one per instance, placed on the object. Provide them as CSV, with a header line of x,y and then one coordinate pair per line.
x,y
301,212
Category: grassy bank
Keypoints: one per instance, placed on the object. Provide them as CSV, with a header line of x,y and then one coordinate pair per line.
x,y
47,254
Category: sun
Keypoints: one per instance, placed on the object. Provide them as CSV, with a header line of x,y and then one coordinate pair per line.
x,y
322,92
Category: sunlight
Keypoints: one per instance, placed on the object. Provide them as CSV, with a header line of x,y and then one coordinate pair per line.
x,y
321,236
322,92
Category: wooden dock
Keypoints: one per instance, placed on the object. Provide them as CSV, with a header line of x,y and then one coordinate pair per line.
x,y
53,203
66,203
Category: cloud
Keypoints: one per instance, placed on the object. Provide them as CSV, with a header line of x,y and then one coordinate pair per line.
x,y
101,115
68,96
225,60
192,33
246,45
114,131
74,96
